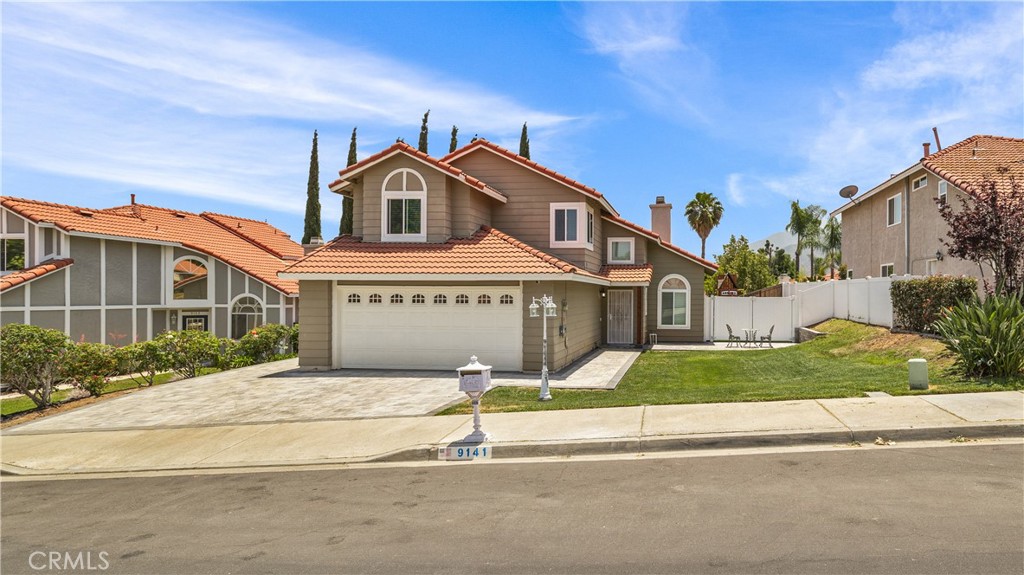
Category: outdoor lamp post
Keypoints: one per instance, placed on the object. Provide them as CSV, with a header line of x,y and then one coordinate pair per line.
x,y
549,310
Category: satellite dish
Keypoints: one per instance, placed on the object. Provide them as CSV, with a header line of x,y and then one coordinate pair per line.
x,y
848,192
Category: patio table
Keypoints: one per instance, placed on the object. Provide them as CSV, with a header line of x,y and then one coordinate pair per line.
x,y
751,336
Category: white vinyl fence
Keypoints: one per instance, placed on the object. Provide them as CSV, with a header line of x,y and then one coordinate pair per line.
x,y
863,300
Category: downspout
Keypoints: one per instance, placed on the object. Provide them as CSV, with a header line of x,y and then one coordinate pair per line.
x,y
906,225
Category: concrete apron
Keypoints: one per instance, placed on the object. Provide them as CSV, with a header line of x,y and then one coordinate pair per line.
x,y
624,430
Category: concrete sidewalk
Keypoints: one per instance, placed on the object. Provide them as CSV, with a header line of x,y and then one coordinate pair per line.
x,y
534,434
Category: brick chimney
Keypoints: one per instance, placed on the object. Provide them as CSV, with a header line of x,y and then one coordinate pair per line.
x,y
927,148
661,219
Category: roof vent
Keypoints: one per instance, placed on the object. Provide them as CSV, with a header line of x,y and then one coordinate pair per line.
x,y
179,215
83,212
239,224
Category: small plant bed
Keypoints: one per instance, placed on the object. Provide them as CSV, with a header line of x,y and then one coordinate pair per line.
x,y
851,360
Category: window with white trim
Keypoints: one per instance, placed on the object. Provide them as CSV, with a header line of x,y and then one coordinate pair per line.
x,y
620,250
375,298
462,299
440,299
572,225
419,299
353,298
190,280
943,188
404,207
483,299
674,303
506,300
894,210
919,183
397,298
246,315
12,257
887,270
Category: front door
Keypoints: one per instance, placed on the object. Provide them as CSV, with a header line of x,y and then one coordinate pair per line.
x,y
620,317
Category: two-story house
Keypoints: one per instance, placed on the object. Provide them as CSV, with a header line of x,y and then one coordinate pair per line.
x,y
127,273
895,228
447,255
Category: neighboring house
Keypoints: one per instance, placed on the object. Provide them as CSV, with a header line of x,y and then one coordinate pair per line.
x,y
125,274
727,286
895,228
447,254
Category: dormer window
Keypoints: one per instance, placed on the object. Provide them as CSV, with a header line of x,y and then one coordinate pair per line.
x,y
404,207
572,225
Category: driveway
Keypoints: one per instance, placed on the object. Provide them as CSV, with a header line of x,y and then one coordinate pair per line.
x,y
279,392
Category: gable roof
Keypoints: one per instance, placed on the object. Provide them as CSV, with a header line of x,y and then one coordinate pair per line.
x,y
488,253
345,175
657,238
966,164
24,276
260,233
169,227
482,144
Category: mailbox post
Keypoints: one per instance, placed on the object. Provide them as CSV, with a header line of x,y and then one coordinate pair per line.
x,y
474,380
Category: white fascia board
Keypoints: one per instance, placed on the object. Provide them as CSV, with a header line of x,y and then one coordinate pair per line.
x,y
122,238
857,200
445,277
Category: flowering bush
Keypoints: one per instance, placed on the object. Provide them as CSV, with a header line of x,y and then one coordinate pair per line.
x,y
188,351
987,337
32,360
144,360
917,303
89,365
260,345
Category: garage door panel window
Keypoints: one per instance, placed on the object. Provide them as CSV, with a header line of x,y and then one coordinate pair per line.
x,y
506,300
674,303
419,299
462,299
483,300
353,298
440,299
376,298
397,298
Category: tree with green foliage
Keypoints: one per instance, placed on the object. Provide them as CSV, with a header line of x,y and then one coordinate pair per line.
x,y
704,212
422,146
189,351
32,360
454,144
812,238
782,263
312,221
832,240
798,226
346,201
750,267
524,143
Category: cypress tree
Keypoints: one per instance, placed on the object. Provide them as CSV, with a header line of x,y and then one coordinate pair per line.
x,y
346,201
524,143
455,140
423,134
312,222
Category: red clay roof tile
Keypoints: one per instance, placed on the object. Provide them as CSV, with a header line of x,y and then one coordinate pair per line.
x,y
20,277
966,164
627,273
190,230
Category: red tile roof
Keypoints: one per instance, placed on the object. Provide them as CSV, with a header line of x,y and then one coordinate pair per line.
x,y
402,147
966,164
19,277
657,237
486,252
627,273
260,233
193,231
482,143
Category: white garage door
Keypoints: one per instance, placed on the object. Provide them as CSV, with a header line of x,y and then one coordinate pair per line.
x,y
430,327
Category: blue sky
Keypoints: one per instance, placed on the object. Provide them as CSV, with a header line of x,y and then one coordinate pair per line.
x,y
212,106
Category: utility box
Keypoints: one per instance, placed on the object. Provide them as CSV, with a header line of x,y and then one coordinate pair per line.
x,y
474,377
918,369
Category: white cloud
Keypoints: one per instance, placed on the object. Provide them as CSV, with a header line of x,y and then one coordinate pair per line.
x,y
964,78
646,42
735,190
199,100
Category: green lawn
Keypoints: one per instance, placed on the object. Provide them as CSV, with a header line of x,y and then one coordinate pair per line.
x,y
23,404
851,360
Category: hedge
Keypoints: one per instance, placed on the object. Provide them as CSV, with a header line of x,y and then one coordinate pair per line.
x,y
918,303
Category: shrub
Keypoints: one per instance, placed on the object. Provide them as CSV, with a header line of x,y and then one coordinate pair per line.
x,y
89,365
144,360
189,351
987,337
261,344
917,303
32,360
293,339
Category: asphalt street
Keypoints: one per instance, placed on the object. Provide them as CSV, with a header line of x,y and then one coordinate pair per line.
x,y
949,509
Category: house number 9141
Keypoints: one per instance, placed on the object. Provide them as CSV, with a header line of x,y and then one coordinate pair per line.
x,y
464,453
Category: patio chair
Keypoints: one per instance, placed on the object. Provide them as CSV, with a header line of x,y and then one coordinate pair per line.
x,y
733,339
768,338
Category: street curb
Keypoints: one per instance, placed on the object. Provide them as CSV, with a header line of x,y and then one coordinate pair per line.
x,y
621,445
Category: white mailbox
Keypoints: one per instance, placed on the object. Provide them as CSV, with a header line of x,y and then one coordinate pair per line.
x,y
474,377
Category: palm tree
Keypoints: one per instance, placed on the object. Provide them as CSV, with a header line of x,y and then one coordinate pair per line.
x,y
812,235
704,212
832,238
797,226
